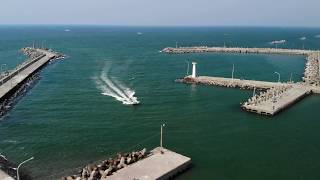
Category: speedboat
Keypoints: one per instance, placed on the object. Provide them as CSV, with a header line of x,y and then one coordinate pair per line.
x,y
131,100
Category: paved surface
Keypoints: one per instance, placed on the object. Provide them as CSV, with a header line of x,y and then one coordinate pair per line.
x,y
4,176
272,106
22,75
156,166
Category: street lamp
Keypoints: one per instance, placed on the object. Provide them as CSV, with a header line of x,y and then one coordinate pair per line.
x,y
1,72
278,76
161,134
188,68
254,90
232,71
2,67
18,178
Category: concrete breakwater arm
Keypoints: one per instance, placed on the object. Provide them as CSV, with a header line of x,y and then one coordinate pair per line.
x,y
229,82
204,49
22,71
275,99
312,69
278,96
160,163
10,82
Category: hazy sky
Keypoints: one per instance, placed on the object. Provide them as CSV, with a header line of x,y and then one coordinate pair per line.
x,y
162,12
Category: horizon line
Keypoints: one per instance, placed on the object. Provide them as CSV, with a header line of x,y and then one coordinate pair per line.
x,y
177,26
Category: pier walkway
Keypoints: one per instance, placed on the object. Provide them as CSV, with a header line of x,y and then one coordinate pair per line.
x,y
275,99
162,164
23,71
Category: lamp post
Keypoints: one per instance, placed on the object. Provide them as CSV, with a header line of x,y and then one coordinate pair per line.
x,y
279,76
18,178
232,71
188,68
319,64
2,67
161,132
1,72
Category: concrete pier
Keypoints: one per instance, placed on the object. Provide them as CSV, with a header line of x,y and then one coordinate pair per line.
x,y
15,77
162,164
11,81
275,99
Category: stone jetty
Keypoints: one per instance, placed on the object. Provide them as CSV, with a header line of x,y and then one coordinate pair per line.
x,y
274,96
15,82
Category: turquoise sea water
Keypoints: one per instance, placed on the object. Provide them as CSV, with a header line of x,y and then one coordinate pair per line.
x,y
65,122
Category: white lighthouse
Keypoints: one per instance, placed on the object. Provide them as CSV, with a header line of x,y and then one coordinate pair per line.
x,y
194,70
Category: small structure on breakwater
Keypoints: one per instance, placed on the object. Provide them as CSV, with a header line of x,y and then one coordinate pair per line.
x,y
15,83
275,96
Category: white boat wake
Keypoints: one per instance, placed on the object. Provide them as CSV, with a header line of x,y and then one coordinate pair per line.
x,y
115,89
278,42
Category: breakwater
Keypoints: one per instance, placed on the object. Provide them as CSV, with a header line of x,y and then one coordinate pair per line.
x,y
228,82
18,93
273,98
108,167
312,69
276,96
16,82
206,49
159,163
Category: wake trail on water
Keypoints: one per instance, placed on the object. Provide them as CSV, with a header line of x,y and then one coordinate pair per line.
x,y
114,88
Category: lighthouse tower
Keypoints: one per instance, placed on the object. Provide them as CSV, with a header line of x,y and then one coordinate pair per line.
x,y
194,70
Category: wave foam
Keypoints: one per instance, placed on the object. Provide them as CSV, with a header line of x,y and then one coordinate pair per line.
x,y
114,88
